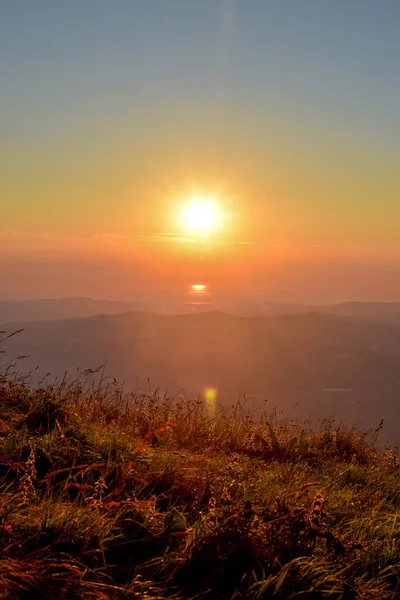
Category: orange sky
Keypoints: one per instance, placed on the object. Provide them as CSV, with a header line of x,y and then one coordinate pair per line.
x,y
129,267
110,118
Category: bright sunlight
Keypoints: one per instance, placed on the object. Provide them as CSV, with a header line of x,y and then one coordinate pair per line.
x,y
201,216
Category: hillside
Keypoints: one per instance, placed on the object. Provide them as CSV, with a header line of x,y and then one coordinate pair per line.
x,y
146,496
294,362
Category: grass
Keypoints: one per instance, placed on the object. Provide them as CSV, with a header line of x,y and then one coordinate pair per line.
x,y
112,495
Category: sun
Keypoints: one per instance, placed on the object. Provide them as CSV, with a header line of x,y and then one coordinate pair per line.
x,y
201,216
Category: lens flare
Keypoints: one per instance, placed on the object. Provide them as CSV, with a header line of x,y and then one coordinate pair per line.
x,y
210,397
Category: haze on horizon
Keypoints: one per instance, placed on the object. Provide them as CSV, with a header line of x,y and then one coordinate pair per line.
x,y
114,114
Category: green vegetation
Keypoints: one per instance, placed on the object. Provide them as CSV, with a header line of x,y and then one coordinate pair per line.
x,y
105,495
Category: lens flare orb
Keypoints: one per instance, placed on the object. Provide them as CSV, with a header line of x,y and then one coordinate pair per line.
x,y
210,397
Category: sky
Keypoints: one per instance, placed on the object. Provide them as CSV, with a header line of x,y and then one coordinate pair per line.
x,y
286,111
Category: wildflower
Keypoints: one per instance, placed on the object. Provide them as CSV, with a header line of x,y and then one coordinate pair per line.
x,y
27,480
99,488
7,529
225,496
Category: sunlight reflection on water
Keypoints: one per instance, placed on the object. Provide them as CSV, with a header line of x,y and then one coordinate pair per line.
x,y
198,296
199,289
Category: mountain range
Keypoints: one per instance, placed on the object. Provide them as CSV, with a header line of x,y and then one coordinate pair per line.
x,y
345,362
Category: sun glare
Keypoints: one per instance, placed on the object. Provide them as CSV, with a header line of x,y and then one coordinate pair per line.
x,y
199,287
201,216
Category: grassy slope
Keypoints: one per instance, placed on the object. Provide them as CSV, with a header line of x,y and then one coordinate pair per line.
x,y
148,497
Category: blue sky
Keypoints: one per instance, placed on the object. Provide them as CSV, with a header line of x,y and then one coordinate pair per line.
x,y
332,64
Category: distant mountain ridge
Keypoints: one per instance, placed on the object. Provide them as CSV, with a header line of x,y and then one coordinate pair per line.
x,y
62,308
74,307
367,307
388,312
